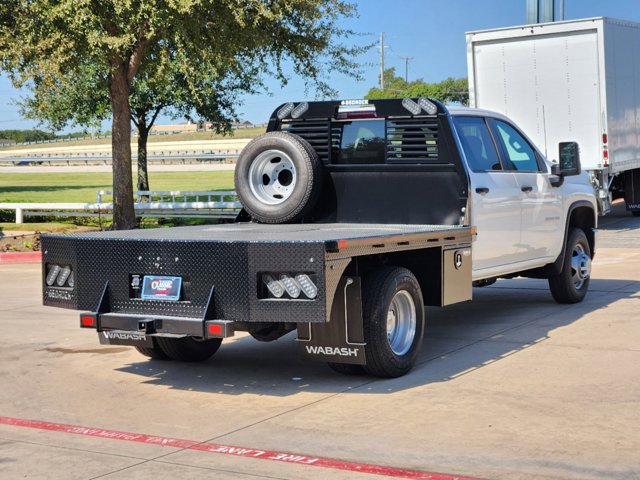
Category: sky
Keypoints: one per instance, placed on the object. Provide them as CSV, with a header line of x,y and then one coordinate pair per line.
x,y
431,32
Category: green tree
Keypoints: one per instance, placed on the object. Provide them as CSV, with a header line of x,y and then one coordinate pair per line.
x,y
111,45
449,90
26,135
159,86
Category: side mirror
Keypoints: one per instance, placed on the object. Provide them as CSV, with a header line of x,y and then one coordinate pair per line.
x,y
569,155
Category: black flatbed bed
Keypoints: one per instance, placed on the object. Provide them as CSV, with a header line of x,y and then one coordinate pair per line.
x,y
331,234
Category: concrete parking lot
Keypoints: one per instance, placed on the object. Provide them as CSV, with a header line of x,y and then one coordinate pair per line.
x,y
509,386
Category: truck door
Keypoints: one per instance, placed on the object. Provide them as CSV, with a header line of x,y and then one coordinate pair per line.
x,y
541,203
495,198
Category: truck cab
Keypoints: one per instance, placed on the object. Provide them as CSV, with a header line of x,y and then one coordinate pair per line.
x,y
519,207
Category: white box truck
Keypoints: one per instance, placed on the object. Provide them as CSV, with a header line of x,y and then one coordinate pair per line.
x,y
577,80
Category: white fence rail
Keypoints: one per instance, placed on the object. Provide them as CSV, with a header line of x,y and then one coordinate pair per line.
x,y
105,157
212,204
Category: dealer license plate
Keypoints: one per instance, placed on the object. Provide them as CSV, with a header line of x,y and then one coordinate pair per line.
x,y
156,287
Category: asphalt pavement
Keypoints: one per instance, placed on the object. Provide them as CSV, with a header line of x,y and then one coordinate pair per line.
x,y
509,386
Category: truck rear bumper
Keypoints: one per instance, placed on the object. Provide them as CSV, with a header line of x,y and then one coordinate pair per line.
x,y
134,329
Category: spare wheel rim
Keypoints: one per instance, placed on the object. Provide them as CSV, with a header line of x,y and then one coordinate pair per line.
x,y
272,177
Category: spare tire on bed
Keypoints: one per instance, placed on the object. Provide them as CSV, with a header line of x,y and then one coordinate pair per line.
x,y
278,177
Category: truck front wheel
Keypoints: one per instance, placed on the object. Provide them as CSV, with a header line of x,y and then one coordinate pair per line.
x,y
571,285
393,312
189,349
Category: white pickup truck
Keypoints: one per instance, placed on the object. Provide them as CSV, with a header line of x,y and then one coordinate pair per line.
x,y
356,214
526,215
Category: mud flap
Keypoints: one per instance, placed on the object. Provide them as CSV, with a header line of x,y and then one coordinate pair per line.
x,y
632,189
120,337
341,340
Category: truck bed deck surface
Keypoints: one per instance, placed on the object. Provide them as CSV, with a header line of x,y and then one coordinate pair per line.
x,y
259,233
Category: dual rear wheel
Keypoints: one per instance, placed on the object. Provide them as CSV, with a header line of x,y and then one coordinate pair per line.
x,y
185,349
393,314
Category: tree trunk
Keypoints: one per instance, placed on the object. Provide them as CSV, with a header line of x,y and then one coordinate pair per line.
x,y
143,135
124,216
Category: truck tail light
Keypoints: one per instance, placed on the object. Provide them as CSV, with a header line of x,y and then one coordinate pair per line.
x,y
214,329
308,287
52,274
219,329
292,287
88,320
605,151
274,286
59,276
288,286
63,276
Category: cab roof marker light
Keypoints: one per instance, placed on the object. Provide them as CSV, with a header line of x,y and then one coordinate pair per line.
x,y
346,111
53,274
285,110
428,106
308,287
412,106
63,276
293,288
300,109
274,286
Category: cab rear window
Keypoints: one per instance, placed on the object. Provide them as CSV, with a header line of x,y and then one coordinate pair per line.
x,y
358,142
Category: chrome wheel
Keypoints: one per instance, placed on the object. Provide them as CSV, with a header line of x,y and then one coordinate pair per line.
x,y
401,322
272,177
580,266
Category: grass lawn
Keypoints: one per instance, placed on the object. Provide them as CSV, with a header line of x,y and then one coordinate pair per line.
x,y
52,227
82,187
172,137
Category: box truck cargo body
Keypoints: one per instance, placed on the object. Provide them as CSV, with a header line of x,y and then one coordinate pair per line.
x,y
575,80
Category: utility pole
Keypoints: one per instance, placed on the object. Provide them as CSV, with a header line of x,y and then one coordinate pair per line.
x,y
406,66
381,60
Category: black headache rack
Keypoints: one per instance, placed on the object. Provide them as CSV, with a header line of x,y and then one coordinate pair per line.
x,y
385,161
224,272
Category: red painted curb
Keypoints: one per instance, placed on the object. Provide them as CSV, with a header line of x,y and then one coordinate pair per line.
x,y
232,450
20,257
